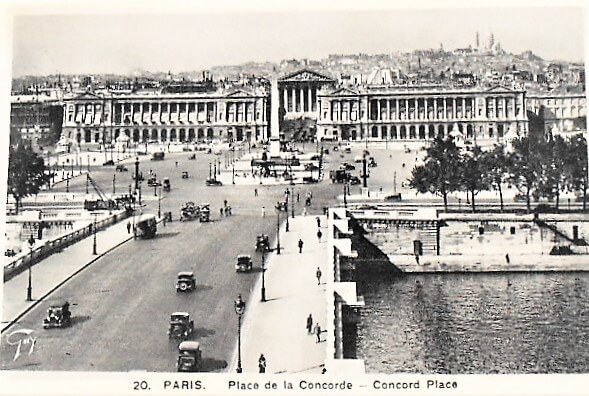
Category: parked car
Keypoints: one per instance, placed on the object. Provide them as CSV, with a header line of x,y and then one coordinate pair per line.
x,y
180,325
158,156
121,168
166,184
108,163
244,263
185,281
58,315
189,356
213,182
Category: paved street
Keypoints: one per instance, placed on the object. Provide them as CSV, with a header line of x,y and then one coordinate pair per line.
x,y
121,303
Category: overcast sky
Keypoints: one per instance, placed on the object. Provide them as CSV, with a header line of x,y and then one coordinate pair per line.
x,y
189,41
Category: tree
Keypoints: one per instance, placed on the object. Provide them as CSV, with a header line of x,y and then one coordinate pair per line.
x,y
496,164
26,173
554,169
526,166
440,174
472,174
576,164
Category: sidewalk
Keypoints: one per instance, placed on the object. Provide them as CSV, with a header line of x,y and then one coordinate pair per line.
x,y
55,270
276,327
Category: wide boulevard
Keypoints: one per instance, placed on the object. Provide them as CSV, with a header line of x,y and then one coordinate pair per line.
x,y
121,304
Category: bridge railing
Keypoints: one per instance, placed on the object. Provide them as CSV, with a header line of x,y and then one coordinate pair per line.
x,y
38,253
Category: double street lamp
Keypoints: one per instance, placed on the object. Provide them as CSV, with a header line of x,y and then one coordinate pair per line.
x,y
239,306
287,193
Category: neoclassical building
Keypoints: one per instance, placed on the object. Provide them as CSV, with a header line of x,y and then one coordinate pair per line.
x,y
560,113
297,92
419,113
237,115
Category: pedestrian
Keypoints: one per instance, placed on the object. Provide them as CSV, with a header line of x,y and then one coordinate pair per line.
x,y
318,275
507,258
262,363
298,197
417,258
304,211
263,211
318,221
309,324
319,235
255,192
224,203
128,227
221,212
300,246
176,164
318,332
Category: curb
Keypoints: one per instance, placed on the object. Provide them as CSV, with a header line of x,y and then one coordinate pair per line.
x,y
39,300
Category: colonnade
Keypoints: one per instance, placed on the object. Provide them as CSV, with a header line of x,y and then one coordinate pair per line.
x,y
298,98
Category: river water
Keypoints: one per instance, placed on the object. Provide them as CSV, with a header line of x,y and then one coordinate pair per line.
x,y
474,323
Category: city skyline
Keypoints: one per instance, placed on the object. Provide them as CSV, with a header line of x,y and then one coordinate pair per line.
x,y
95,44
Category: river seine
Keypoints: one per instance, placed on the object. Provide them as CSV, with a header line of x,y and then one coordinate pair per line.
x,y
475,323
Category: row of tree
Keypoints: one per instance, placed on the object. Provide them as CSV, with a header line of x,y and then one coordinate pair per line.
x,y
27,173
536,166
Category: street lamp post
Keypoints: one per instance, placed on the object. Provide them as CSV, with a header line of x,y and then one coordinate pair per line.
x,y
292,202
277,228
114,179
94,252
233,173
30,285
159,204
263,273
136,173
345,196
88,164
239,306
287,193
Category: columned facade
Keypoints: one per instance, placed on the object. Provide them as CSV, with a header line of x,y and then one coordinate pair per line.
x,y
297,93
233,116
420,114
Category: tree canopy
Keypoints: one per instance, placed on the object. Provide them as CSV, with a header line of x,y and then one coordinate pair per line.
x,y
26,173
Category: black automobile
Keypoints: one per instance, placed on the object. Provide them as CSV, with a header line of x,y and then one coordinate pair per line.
x,y
180,325
185,281
262,243
58,316
121,168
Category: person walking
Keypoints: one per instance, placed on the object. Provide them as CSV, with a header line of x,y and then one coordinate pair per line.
x,y
318,221
262,363
318,333
319,235
309,324
255,192
300,246
318,275
507,258
263,211
128,227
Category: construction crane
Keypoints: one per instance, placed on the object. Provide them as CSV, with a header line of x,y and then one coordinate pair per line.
x,y
103,202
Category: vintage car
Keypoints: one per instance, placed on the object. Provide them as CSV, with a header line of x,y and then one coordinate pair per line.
x,y
282,206
244,263
189,356
372,162
213,182
152,181
189,211
204,212
158,156
262,243
347,166
166,184
121,168
58,315
184,174
180,325
185,281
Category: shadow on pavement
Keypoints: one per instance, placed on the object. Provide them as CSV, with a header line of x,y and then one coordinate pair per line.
x,y
202,332
166,234
209,364
80,319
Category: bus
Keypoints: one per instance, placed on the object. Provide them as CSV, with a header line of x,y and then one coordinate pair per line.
x,y
146,226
